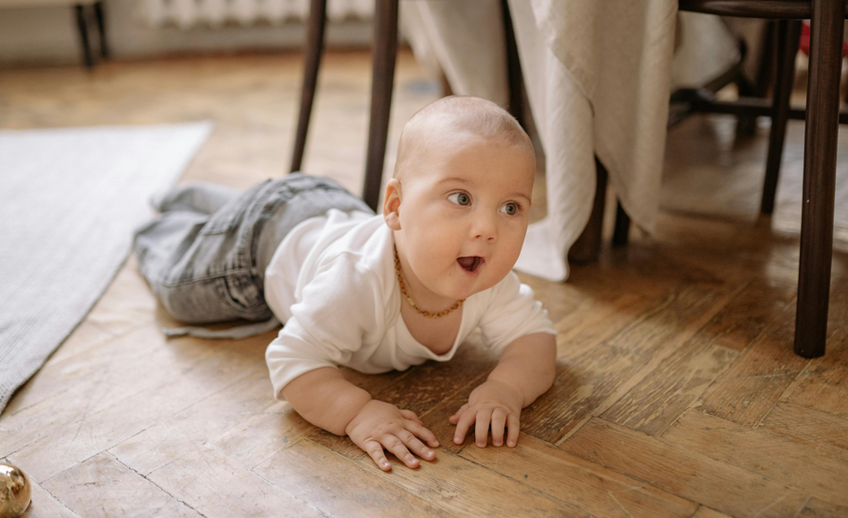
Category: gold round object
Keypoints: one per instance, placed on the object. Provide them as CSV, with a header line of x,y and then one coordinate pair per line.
x,y
15,491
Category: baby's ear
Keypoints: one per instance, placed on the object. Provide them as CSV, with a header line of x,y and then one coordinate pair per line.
x,y
391,204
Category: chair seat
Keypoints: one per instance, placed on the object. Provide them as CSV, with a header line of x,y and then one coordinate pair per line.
x,y
773,9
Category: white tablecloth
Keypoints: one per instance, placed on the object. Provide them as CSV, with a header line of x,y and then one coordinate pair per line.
x,y
598,78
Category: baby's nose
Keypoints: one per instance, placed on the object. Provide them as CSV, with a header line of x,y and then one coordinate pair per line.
x,y
486,228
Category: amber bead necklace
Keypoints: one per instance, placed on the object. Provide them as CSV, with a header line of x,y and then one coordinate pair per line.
x,y
411,302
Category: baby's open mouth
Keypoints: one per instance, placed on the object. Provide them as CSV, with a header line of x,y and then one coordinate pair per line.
x,y
470,263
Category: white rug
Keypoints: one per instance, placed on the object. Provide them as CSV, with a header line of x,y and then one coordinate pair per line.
x,y
70,200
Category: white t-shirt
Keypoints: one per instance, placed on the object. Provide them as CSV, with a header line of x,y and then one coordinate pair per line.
x,y
332,281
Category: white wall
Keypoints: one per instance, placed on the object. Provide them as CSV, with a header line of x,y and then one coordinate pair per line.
x,y
48,35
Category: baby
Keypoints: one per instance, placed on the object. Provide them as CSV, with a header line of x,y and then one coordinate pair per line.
x,y
374,292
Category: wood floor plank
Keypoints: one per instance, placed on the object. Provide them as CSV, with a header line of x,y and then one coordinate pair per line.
x,y
681,380
84,336
683,473
822,390
217,486
465,489
820,469
706,512
818,508
427,385
807,423
103,487
755,307
61,374
822,384
315,475
126,303
748,389
596,320
337,444
373,383
646,268
588,486
228,409
560,303
437,419
592,383
46,505
170,360
99,431
97,393
672,387
259,436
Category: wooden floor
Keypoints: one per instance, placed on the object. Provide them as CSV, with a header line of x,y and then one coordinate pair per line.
x,y
678,393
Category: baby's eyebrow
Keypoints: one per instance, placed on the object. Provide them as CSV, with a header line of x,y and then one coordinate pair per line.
x,y
454,179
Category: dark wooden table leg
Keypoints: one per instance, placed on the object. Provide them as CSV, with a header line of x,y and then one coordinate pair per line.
x,y
82,25
101,29
312,61
385,52
587,248
819,177
788,36
766,66
621,232
513,68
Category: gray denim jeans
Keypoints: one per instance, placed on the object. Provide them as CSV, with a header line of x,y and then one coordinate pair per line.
x,y
205,256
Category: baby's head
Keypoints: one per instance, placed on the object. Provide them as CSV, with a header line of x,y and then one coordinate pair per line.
x,y
460,197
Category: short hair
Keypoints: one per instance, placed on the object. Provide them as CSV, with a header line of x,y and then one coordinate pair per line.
x,y
457,114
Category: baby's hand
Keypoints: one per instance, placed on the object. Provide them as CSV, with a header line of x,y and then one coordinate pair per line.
x,y
382,425
494,403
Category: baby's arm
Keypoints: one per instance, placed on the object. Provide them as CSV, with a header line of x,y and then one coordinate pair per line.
x,y
324,398
525,371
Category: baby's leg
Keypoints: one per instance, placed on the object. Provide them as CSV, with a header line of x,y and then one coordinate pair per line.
x,y
191,272
203,198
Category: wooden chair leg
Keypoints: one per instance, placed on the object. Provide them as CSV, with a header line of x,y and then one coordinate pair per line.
x,y
621,233
587,248
513,68
312,61
385,53
768,42
101,28
746,124
819,177
82,25
788,36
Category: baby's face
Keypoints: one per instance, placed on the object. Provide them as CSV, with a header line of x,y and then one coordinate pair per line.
x,y
463,217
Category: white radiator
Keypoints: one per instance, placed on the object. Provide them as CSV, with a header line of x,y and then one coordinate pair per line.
x,y
186,14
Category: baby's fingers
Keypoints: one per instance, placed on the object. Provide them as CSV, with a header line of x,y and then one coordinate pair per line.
x,y
396,446
418,430
419,448
512,436
409,414
498,426
375,450
481,427
463,423
455,418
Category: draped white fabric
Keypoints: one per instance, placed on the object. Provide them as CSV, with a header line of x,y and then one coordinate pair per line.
x,y
598,76
213,13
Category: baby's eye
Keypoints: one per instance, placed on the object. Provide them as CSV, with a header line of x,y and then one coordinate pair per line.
x,y
510,209
460,198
